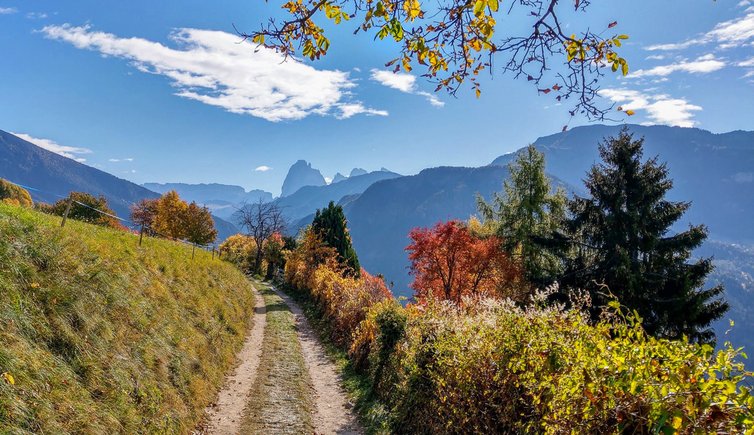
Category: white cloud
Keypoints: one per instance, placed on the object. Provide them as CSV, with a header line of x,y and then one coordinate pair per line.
x,y
656,57
128,159
50,145
348,110
660,108
214,68
743,177
702,65
328,180
36,15
727,34
405,83
263,168
8,11
747,63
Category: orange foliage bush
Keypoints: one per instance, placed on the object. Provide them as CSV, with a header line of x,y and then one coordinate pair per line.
x,y
449,262
343,299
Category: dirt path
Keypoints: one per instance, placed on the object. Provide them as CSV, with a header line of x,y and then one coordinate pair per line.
x,y
281,399
333,414
225,415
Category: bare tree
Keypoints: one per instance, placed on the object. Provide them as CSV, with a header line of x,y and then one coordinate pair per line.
x,y
260,220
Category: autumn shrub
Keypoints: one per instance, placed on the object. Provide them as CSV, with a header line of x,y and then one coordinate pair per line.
x,y
14,195
238,249
490,366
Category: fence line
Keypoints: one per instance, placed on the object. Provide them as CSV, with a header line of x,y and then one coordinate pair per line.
x,y
133,225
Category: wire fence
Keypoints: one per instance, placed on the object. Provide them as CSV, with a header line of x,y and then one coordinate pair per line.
x,y
135,227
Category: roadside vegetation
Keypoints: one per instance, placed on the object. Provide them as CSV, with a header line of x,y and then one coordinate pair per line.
x,y
99,335
485,347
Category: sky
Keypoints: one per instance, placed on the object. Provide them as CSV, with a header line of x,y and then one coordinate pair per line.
x,y
166,91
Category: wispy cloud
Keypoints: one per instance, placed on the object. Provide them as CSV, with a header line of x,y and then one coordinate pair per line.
x,y
702,65
263,168
8,11
36,15
405,83
214,68
727,34
50,145
127,159
660,108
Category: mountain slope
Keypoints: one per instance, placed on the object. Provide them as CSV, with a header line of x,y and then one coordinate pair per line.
x,y
715,171
25,163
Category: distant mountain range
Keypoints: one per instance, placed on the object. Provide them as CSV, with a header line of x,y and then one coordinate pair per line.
x,y
221,199
308,199
52,176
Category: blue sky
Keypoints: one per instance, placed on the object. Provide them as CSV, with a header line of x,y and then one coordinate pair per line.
x,y
162,91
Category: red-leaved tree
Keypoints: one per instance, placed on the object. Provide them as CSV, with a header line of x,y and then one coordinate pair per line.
x,y
449,262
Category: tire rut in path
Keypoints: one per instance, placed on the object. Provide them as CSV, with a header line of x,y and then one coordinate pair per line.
x,y
226,414
333,413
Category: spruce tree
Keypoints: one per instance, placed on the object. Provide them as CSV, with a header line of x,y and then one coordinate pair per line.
x,y
622,244
527,210
330,225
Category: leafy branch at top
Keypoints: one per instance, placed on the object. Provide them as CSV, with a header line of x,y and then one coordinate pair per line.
x,y
453,41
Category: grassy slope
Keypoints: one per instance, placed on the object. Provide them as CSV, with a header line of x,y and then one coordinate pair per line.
x,y
102,336
282,401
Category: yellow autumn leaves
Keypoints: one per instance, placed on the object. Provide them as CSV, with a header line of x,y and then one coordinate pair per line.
x,y
8,378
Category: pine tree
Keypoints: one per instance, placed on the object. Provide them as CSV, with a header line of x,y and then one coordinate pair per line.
x,y
330,225
622,244
527,210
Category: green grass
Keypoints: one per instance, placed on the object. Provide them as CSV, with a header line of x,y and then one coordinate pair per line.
x,y
372,414
103,336
280,400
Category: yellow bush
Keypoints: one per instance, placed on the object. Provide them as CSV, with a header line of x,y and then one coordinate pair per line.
x,y
14,195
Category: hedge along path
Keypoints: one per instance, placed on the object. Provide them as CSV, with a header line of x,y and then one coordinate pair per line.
x,y
281,399
226,414
333,413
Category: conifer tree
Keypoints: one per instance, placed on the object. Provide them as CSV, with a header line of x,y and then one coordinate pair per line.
x,y
622,243
527,210
330,225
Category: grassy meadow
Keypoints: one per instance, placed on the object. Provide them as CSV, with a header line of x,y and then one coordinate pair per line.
x,y
99,335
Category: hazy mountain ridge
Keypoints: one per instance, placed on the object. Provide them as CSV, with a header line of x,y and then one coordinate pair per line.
x,y
222,199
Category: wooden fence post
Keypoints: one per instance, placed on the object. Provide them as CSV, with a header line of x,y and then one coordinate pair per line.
x,y
193,248
141,233
213,252
67,210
